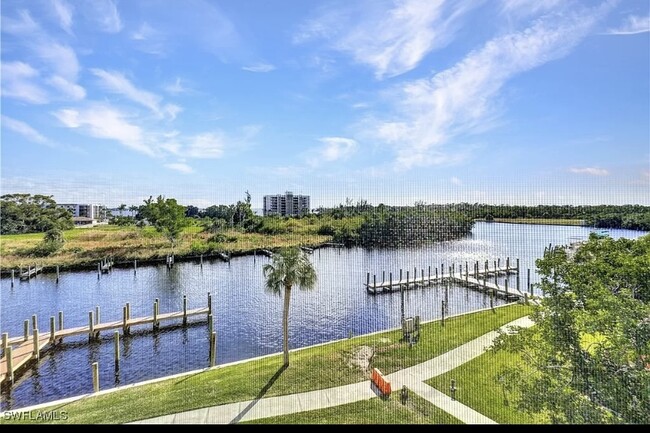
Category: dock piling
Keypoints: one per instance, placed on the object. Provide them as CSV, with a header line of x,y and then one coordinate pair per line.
x,y
116,346
213,349
529,286
125,327
184,309
60,320
12,277
57,274
390,276
95,367
97,317
209,303
135,266
91,326
210,324
36,352
10,365
5,342
52,329
99,270
26,330
155,315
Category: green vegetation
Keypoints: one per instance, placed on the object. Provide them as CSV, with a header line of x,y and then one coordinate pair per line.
x,y
167,216
374,411
478,386
313,368
289,267
26,213
588,354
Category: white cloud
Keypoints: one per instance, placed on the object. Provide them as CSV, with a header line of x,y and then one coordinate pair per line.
x,y
18,82
391,40
106,122
69,89
63,12
107,16
259,67
24,24
460,100
181,167
176,87
205,146
633,24
149,40
116,82
23,129
454,180
592,171
528,7
333,149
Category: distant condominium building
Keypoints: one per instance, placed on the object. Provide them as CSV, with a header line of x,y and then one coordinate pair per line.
x,y
286,204
85,213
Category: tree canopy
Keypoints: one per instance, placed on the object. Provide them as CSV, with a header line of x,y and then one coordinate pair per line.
x,y
587,360
26,213
166,215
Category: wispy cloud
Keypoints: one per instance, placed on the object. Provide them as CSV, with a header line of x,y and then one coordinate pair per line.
x,y
461,100
391,40
24,129
150,40
116,82
105,122
259,67
64,12
332,149
522,8
69,89
177,87
454,180
105,13
632,25
60,58
592,171
180,167
205,146
18,81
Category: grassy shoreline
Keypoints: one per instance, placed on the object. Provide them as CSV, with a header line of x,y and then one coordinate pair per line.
x,y
311,368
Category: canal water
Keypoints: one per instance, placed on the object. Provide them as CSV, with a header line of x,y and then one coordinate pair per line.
x,y
247,318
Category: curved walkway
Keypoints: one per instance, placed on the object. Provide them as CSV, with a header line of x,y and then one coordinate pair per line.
x,y
412,377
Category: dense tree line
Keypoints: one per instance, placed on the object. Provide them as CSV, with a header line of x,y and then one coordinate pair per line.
x,y
587,359
26,213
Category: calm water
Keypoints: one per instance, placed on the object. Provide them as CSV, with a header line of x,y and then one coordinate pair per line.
x,y
248,320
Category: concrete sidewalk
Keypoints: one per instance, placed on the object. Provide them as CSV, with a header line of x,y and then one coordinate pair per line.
x,y
412,377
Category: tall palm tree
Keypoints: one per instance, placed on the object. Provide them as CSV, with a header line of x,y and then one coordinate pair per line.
x,y
289,267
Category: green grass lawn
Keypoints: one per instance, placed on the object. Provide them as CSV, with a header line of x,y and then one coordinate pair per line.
x,y
313,368
478,387
374,411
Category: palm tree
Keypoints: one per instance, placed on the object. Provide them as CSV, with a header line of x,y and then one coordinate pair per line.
x,y
289,267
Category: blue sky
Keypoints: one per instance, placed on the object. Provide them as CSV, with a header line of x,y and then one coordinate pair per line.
x,y
511,101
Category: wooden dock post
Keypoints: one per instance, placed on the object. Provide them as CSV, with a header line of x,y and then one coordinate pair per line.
x,y
374,283
390,276
209,303
436,274
12,278
429,280
518,289
447,294
184,309
10,365
525,298
128,311
202,261
57,274
507,264
401,294
506,286
60,320
476,270
135,266
452,270
517,265
29,272
155,323
26,330
466,272
125,318
498,263
213,348
210,324
95,367
37,351
116,346
368,280
442,310
52,330
529,286
97,315
495,268
99,270
34,321
383,277
91,326
492,300
5,342
442,271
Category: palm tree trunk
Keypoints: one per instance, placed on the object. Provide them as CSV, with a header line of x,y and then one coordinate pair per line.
x,y
285,324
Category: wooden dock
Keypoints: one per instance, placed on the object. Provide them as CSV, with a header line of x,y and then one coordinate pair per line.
x,y
30,272
476,278
17,352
